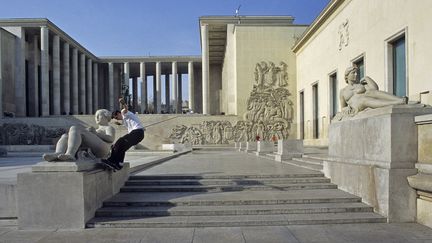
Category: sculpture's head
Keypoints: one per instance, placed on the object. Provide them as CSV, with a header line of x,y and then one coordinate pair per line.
x,y
351,74
102,117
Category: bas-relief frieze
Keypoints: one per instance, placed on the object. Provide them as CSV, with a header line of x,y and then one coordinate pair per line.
x,y
25,134
269,113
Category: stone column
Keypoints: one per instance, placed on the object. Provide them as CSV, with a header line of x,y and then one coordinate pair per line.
x,y
191,86
20,73
167,93
33,88
174,89
56,75
75,102
158,88
89,86
205,69
111,86
126,76
95,87
154,93
179,94
66,79
82,87
45,71
135,94
143,87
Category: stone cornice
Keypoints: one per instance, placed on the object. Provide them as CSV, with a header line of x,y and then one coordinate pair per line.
x,y
121,59
259,20
39,22
317,23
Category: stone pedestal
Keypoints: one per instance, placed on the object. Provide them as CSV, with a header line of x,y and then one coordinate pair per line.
x,y
371,156
250,146
288,149
177,147
264,147
422,181
64,195
241,146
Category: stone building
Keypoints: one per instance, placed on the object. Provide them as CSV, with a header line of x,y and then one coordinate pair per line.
x,y
43,71
385,39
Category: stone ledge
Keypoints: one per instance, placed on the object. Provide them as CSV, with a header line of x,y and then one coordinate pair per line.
x,y
421,181
72,166
415,109
423,167
423,119
364,162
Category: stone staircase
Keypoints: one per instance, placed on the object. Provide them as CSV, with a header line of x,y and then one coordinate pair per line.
x,y
231,200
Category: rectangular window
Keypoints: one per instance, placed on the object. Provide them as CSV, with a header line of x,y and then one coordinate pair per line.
x,y
315,111
333,95
399,67
360,65
302,115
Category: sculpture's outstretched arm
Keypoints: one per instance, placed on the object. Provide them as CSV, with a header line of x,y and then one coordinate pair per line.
x,y
369,83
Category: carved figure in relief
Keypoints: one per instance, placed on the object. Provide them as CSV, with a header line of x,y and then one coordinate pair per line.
x,y
283,74
360,95
98,140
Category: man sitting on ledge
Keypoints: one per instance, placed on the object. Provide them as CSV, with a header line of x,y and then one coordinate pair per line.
x,y
133,137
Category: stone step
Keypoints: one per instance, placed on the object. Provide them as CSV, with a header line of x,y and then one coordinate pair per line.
x,y
257,181
316,156
219,188
141,199
235,220
233,210
197,177
304,165
308,160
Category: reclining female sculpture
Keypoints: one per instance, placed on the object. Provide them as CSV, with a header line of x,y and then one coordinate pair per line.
x,y
360,95
98,140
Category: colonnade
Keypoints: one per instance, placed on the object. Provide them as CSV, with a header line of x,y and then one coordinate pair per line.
x,y
55,75
173,85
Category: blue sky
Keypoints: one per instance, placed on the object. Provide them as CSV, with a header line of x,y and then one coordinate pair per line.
x,y
148,27
143,27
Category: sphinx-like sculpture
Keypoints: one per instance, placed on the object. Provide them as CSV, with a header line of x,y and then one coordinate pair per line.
x,y
97,140
360,95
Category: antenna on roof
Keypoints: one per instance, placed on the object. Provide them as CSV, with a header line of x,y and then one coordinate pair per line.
x,y
237,13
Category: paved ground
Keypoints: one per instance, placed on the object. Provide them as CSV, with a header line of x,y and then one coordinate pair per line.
x,y
212,163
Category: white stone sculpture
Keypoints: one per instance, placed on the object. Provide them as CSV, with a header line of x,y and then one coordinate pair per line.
x,y
360,95
97,140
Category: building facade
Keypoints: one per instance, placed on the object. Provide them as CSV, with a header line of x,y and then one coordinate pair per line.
x,y
43,71
385,39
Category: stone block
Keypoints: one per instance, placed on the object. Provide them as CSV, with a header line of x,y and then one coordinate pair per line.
x,y
424,126
424,212
251,146
372,155
264,147
176,147
242,146
49,199
8,200
288,149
